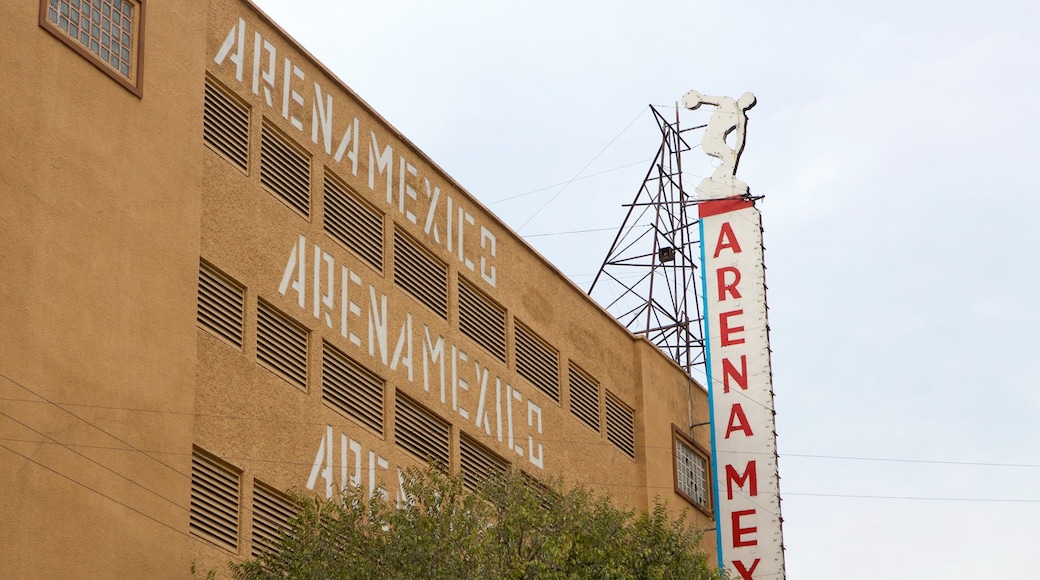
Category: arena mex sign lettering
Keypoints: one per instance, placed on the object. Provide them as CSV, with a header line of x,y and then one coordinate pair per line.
x,y
260,66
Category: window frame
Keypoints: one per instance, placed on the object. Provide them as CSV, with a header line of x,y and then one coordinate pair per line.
x,y
134,84
679,437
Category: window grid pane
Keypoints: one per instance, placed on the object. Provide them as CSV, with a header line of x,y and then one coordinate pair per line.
x,y
692,473
104,27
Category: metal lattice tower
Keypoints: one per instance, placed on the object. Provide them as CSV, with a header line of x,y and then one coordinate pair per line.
x,y
649,279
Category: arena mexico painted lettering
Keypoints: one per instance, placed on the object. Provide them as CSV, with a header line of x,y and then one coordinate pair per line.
x,y
473,390
746,481
324,115
329,121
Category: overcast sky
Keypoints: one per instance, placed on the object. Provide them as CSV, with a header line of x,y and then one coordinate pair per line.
x,y
895,145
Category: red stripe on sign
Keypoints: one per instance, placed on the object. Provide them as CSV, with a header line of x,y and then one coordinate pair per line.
x,y
712,207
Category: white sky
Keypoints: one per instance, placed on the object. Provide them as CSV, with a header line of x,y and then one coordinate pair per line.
x,y
894,143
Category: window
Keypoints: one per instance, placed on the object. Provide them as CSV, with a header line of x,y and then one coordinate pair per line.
x,y
691,472
108,33
214,500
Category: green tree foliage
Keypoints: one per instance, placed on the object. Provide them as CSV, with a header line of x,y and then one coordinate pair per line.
x,y
510,527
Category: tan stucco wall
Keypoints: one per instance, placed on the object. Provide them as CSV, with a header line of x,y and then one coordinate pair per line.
x,y
99,222
271,429
108,204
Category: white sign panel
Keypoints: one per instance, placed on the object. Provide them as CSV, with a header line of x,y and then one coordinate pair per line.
x,y
747,500
740,390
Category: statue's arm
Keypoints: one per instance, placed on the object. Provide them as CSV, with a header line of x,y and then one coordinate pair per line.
x,y
693,99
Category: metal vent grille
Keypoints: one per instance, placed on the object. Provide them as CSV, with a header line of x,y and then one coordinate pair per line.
x,y
542,491
584,392
272,511
214,500
537,362
220,308
482,320
421,432
281,345
285,170
420,274
620,426
478,463
352,222
351,389
225,125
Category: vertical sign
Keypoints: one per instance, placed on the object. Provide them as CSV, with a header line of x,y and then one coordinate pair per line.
x,y
740,391
747,493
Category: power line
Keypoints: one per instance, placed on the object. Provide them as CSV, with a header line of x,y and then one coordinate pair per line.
x,y
582,170
91,459
147,453
644,226
924,461
347,423
912,497
110,498
90,424
590,175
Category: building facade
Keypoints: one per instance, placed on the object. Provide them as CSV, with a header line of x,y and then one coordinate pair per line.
x,y
223,275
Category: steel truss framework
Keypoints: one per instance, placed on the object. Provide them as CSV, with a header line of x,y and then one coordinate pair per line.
x,y
649,279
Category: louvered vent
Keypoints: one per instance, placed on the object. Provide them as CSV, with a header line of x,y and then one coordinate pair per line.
x,y
478,462
351,389
353,222
214,500
584,391
537,362
420,274
544,493
620,426
285,170
420,431
482,320
225,125
272,511
281,345
221,302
